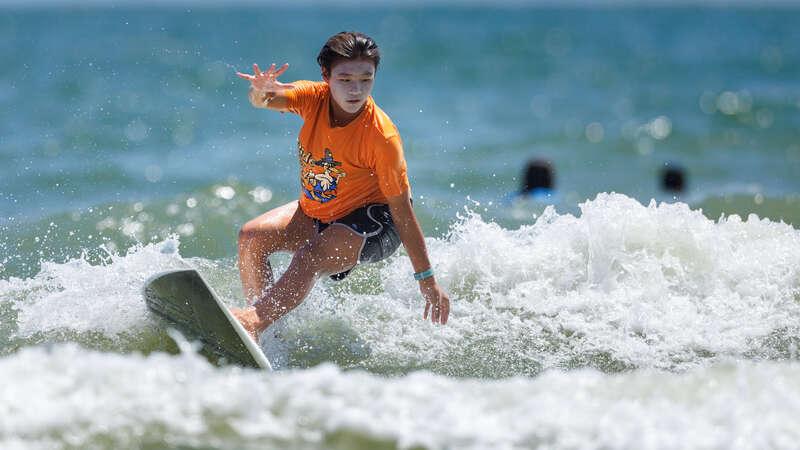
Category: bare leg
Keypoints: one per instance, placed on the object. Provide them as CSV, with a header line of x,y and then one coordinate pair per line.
x,y
334,250
285,228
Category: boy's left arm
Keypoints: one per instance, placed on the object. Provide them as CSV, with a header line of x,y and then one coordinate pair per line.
x,y
436,300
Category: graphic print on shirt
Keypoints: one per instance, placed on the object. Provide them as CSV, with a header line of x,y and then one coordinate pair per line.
x,y
319,178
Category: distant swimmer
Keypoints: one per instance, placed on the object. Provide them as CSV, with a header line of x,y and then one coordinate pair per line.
x,y
354,202
673,178
538,182
539,179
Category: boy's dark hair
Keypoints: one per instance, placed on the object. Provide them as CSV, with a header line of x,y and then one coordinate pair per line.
x,y
348,45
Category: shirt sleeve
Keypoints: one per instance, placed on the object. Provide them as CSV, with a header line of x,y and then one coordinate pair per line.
x,y
390,166
302,99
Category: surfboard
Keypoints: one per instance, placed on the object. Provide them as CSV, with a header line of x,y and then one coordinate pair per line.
x,y
185,300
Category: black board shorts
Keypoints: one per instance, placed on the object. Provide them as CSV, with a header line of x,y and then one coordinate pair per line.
x,y
374,222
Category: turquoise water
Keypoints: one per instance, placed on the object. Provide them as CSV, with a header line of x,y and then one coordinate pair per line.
x,y
614,315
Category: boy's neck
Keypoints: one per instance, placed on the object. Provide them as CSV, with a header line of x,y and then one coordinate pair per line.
x,y
339,117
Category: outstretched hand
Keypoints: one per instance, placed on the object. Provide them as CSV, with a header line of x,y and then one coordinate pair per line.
x,y
436,301
267,81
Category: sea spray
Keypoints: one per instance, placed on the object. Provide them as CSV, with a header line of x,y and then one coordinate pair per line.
x,y
99,305
620,286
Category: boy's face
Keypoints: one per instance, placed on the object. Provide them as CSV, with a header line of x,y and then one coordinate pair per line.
x,y
351,83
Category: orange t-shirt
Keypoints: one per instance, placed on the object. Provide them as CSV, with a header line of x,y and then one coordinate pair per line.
x,y
344,168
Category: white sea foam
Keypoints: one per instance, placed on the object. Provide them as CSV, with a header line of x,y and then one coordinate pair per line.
x,y
620,286
77,296
66,396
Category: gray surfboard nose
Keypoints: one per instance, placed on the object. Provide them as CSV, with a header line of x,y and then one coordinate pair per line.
x,y
188,302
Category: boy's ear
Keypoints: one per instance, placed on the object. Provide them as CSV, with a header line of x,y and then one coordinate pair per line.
x,y
325,75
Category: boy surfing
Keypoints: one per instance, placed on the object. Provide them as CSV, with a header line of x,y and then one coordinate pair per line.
x,y
355,198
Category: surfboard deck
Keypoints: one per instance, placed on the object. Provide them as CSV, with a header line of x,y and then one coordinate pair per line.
x,y
188,302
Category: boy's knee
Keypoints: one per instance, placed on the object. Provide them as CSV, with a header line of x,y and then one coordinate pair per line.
x,y
246,236
260,230
248,230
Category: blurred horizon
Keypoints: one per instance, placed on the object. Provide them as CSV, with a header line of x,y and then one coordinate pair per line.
x,y
356,4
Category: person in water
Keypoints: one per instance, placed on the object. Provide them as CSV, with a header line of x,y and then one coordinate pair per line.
x,y
537,183
538,179
355,199
673,178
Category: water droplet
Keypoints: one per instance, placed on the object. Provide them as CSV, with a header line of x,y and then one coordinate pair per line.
x,y
225,192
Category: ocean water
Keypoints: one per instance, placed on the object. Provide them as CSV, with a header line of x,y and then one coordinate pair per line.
x,y
612,315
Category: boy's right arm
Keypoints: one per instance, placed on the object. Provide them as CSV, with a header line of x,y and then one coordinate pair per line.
x,y
265,89
269,100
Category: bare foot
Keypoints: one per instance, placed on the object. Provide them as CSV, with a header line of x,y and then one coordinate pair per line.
x,y
249,320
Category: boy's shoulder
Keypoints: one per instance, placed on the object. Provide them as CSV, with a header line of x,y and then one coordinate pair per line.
x,y
382,124
305,94
311,87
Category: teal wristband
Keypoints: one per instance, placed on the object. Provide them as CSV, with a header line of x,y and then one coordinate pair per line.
x,y
419,276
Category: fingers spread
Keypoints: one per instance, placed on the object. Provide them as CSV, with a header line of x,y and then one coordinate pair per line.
x,y
256,70
427,308
280,71
245,76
